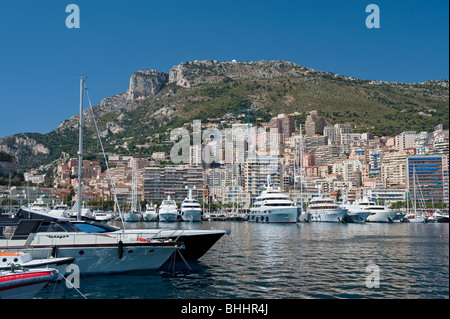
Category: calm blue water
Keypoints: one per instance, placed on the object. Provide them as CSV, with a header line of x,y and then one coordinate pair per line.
x,y
314,261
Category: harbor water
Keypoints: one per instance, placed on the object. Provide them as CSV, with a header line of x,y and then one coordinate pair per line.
x,y
296,261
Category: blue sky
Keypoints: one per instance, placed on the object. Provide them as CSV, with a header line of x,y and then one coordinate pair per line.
x,y
41,59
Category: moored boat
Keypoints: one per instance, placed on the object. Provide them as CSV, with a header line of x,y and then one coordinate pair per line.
x,y
150,214
168,211
191,210
378,213
273,206
354,213
23,259
324,209
23,283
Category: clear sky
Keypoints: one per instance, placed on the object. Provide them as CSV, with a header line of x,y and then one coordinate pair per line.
x,y
41,59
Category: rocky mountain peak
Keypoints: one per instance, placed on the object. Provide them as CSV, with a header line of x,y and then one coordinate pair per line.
x,y
146,83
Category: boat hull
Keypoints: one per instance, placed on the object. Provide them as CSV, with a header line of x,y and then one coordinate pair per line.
x,y
150,217
381,217
274,215
356,217
328,215
132,217
101,259
25,285
191,215
168,217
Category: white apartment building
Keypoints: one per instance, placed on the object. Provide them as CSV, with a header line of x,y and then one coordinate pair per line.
x,y
405,140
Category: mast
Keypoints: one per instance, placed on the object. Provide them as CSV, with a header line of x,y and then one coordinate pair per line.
x,y
134,205
415,198
301,167
80,150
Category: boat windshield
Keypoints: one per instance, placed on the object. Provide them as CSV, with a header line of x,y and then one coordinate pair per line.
x,y
93,227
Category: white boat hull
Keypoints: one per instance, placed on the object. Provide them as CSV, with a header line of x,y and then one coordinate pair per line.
x,y
132,217
305,217
356,217
191,215
93,260
97,253
381,217
274,215
150,217
328,215
168,217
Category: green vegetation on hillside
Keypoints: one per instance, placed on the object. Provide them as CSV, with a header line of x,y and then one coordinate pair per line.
x,y
381,108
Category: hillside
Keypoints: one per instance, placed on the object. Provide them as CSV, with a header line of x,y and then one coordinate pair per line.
x,y
139,120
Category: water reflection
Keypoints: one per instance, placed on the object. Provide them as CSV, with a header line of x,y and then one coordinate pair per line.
x,y
317,260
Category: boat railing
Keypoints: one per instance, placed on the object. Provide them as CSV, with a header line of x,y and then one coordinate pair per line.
x,y
51,239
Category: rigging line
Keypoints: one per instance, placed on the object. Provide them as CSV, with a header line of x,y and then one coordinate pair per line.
x,y
74,287
185,262
104,155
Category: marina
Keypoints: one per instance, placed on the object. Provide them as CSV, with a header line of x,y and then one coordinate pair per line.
x,y
299,260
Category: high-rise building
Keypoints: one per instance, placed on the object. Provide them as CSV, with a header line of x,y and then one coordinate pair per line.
x,y
315,123
425,178
160,182
393,168
285,124
256,170
405,140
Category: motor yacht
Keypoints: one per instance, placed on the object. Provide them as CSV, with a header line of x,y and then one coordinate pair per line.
x,y
94,251
325,209
354,213
378,213
168,211
150,214
273,206
60,210
191,211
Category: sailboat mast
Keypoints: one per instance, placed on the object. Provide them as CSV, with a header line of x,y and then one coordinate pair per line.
x,y
80,148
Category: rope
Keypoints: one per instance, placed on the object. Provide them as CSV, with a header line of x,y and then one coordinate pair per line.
x,y
74,287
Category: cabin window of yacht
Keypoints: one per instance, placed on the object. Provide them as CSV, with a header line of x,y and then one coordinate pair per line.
x,y
89,228
57,227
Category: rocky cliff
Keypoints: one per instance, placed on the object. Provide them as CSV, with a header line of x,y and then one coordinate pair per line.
x,y
189,74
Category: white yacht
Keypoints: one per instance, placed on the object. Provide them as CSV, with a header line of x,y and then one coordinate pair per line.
x,y
150,214
191,211
168,211
325,209
273,206
94,252
132,217
61,210
378,213
100,215
86,213
38,209
355,214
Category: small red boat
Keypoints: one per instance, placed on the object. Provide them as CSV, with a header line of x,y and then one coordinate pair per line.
x,y
24,284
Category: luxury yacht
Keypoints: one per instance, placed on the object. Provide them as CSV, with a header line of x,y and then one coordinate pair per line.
x,y
273,206
325,209
378,213
355,214
61,210
191,210
150,214
168,211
